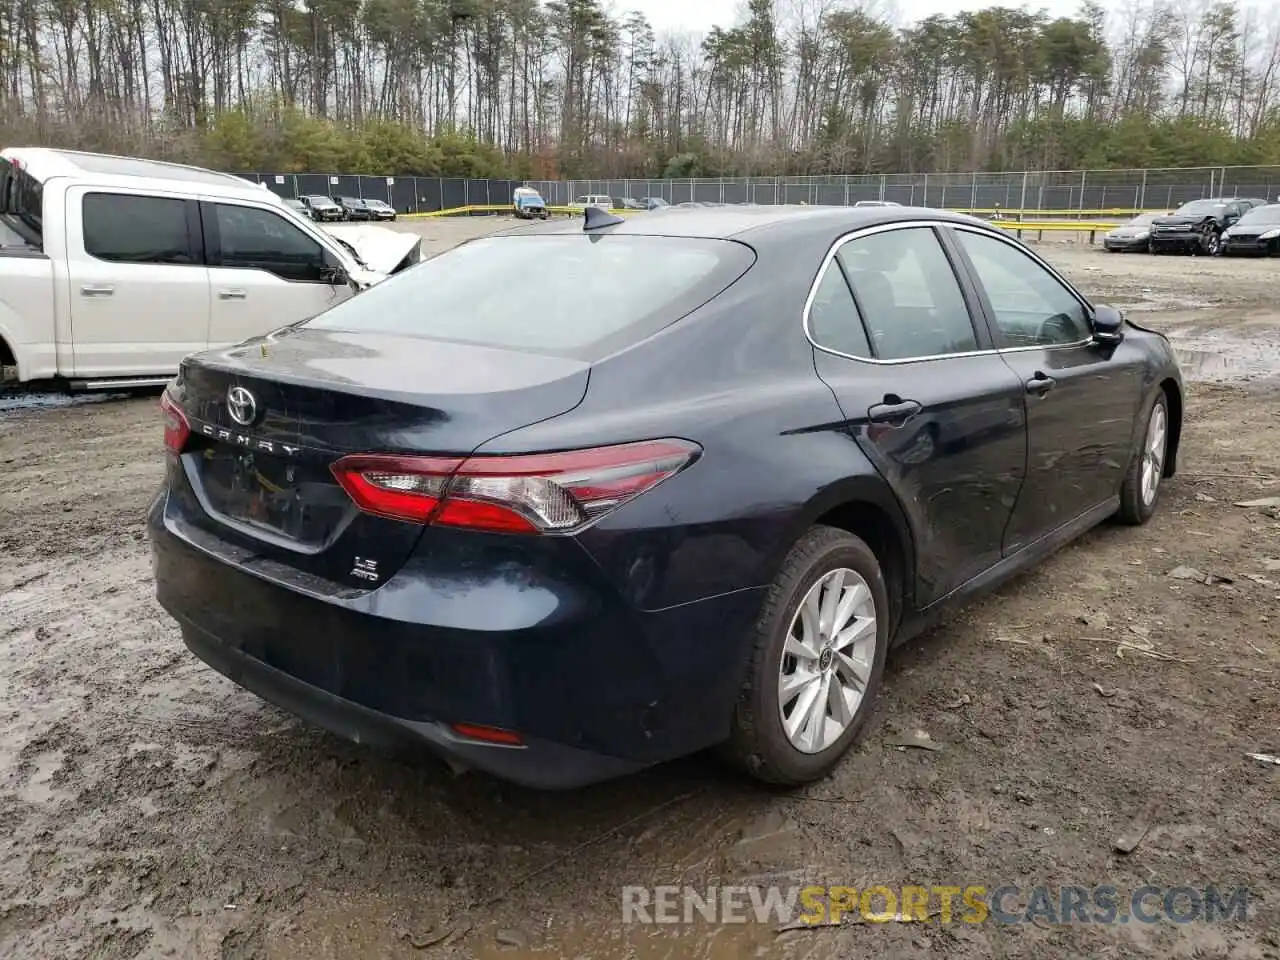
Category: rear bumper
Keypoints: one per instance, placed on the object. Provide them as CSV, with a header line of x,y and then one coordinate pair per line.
x,y
538,763
595,688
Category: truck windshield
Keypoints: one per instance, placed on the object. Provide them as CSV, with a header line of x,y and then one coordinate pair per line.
x,y
21,202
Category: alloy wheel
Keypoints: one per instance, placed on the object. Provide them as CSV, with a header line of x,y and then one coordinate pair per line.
x,y
1153,453
827,660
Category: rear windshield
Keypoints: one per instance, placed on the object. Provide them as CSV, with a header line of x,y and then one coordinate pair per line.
x,y
1268,214
570,295
1142,219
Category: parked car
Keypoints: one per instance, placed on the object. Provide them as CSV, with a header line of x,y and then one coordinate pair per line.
x,y
877,203
114,268
1132,236
1256,233
627,203
352,208
322,209
527,203
653,203
566,550
297,206
592,200
379,209
1197,227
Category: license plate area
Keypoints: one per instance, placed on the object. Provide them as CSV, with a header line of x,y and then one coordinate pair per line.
x,y
291,498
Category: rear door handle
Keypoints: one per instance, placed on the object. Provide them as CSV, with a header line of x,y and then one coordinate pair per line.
x,y
894,414
1040,384
232,295
97,290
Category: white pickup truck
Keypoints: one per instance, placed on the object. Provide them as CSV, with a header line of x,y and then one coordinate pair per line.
x,y
112,269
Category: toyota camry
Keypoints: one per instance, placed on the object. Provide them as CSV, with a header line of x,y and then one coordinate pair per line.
x,y
563,539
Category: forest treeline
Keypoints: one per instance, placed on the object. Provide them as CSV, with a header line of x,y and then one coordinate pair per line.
x,y
562,89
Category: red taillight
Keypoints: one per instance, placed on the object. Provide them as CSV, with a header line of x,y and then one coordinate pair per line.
x,y
401,488
176,428
474,731
539,493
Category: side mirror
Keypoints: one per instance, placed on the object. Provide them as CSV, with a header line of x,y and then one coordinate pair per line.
x,y
334,272
1108,325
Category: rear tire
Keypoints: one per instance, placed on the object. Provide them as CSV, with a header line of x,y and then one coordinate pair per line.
x,y
830,662
1140,492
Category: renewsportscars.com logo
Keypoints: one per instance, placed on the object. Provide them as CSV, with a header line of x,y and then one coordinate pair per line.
x,y
828,905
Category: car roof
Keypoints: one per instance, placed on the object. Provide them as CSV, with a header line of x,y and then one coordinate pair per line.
x,y
741,220
45,163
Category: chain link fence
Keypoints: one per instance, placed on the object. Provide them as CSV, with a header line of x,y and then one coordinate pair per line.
x,y
1060,192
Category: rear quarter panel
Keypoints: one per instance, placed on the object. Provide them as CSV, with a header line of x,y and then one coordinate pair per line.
x,y
737,378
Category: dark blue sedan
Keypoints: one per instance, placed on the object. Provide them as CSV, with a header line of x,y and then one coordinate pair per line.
x,y
563,538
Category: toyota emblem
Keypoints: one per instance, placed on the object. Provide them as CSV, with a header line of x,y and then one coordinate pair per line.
x,y
242,406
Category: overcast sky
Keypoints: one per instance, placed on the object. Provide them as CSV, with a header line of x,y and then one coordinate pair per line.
x,y
701,15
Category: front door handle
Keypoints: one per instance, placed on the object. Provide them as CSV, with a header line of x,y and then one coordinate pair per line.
x,y
232,294
1040,384
97,290
895,414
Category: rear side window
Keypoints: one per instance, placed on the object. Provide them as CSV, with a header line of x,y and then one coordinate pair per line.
x,y
22,202
124,228
833,316
572,295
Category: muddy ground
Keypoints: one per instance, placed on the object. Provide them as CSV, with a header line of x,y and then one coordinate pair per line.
x,y
150,808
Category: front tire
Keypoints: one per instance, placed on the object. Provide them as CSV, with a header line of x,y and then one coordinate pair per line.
x,y
1140,492
817,661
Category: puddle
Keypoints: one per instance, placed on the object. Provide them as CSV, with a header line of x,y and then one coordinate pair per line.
x,y
1219,359
20,401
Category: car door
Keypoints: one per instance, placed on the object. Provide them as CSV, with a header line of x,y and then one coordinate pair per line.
x,y
138,283
1081,396
265,271
928,401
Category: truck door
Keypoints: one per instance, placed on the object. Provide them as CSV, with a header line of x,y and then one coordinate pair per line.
x,y
266,271
139,289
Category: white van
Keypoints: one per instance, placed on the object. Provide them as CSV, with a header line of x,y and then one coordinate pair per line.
x,y
112,269
593,200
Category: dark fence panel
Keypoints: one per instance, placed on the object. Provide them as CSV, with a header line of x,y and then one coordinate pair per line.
x,y
404,195
453,193
279,184
1063,192
344,186
832,194
311,183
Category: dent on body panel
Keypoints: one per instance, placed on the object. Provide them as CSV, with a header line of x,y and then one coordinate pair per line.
x,y
956,467
1109,403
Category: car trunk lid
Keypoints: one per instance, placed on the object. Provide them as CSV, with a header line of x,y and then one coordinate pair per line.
x,y
269,418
